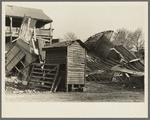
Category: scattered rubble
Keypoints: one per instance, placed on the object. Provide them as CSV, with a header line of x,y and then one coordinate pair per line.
x,y
16,86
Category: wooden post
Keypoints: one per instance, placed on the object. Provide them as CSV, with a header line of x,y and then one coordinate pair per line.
x,y
50,29
10,45
72,87
50,33
35,50
35,33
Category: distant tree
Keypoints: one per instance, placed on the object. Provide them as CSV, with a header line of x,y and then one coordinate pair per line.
x,y
70,36
138,39
129,39
120,37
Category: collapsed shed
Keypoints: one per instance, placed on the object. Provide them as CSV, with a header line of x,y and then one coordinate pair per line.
x,y
104,55
70,55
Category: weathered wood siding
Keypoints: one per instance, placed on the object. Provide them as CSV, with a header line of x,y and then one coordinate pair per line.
x,y
56,56
75,64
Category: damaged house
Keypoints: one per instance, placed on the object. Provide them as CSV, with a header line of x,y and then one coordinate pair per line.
x,y
13,19
25,35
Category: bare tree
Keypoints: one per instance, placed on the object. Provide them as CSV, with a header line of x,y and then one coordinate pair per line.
x,y
129,39
119,37
138,39
70,36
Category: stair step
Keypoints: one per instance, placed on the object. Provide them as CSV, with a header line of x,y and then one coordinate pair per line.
x,y
33,80
44,69
46,86
44,73
39,75
39,64
42,77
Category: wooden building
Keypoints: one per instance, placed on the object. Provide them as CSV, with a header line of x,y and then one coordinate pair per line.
x,y
70,55
13,20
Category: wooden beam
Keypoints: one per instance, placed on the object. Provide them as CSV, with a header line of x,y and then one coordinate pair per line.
x,y
124,70
51,33
35,33
72,87
55,78
57,83
17,69
10,32
35,50
50,29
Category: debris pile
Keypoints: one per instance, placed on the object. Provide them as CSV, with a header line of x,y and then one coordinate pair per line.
x,y
115,60
16,86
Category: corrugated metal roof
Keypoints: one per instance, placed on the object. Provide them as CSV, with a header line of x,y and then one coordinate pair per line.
x,y
15,11
95,61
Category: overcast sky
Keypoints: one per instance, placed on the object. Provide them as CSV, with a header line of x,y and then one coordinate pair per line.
x,y
88,18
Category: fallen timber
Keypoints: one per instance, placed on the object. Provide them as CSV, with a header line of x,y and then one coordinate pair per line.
x,y
128,63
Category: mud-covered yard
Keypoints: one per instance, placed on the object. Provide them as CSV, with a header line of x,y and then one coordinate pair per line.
x,y
94,91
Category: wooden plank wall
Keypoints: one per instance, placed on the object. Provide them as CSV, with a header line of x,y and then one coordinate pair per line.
x,y
56,56
75,64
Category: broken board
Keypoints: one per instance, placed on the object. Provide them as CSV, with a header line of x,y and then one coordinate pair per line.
x,y
57,84
13,57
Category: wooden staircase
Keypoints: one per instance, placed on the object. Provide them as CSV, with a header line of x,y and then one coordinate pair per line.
x,y
44,75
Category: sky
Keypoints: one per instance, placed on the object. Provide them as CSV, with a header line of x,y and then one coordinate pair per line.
x,y
88,18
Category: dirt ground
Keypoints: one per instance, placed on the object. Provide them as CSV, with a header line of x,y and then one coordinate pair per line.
x,y
93,92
